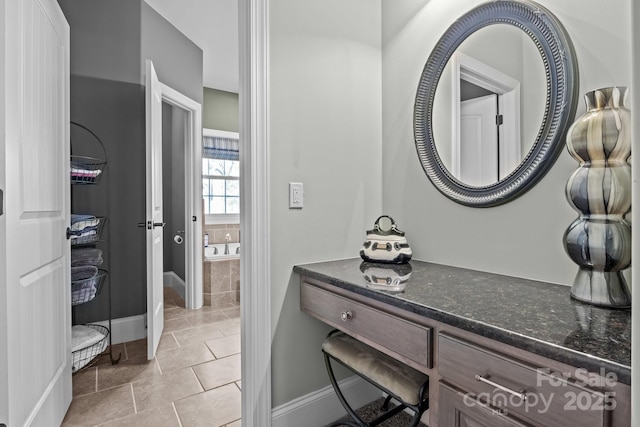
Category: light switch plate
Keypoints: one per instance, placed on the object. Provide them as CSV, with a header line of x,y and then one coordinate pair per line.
x,y
296,195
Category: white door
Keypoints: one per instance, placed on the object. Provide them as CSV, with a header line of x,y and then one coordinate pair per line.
x,y
478,141
35,287
154,217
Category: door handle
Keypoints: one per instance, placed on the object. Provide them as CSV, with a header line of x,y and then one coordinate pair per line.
x,y
149,224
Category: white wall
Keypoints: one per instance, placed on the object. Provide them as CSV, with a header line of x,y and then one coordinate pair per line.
x,y
325,131
522,238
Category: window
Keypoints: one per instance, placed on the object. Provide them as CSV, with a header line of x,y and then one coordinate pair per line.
x,y
221,186
220,174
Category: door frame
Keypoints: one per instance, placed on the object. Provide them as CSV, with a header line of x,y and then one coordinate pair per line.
x,y
508,89
255,268
193,193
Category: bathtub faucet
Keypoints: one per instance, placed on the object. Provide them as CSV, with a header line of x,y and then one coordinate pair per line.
x,y
227,238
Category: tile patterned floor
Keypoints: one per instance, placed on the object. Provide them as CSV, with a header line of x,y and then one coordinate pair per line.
x,y
193,381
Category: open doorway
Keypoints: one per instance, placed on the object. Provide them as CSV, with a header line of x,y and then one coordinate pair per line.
x,y
182,154
221,200
174,179
486,143
156,94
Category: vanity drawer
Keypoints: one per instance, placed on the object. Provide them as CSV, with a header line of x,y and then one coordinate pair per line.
x,y
399,338
457,409
520,388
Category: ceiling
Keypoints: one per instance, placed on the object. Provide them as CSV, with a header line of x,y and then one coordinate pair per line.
x,y
213,26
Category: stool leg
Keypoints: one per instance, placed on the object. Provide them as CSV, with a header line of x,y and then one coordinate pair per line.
x,y
385,405
422,406
415,420
358,422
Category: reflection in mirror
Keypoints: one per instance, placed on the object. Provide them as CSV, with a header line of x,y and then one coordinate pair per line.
x,y
546,101
489,105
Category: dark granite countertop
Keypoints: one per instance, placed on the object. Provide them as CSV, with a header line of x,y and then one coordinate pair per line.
x,y
534,316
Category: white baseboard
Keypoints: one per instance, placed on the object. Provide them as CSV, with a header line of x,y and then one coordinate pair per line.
x,y
134,328
126,329
322,407
172,280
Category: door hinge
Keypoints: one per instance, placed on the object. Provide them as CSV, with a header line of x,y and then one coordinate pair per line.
x,y
1,204
499,119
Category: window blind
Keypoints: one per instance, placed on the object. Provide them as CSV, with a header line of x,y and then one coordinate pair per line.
x,y
215,147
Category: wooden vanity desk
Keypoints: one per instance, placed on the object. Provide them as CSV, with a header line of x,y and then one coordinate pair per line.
x,y
499,350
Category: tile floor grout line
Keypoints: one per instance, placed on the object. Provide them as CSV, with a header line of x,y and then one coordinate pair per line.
x,y
227,323
198,379
155,359
133,397
175,410
175,339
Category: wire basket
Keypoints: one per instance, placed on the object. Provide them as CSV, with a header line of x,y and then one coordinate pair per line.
x,y
86,356
87,232
86,170
86,283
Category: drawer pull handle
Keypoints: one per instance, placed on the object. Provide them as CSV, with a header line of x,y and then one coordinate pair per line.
x,y
521,394
346,315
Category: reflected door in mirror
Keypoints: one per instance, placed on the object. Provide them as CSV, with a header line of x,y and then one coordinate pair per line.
x,y
478,155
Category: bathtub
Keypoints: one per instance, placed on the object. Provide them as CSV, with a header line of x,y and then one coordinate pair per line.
x,y
221,276
211,255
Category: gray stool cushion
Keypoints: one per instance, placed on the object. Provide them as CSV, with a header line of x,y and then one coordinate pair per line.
x,y
398,378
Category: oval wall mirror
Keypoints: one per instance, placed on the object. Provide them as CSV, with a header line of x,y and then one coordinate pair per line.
x,y
494,102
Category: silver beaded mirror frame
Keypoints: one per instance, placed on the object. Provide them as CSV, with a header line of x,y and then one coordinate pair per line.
x,y
561,72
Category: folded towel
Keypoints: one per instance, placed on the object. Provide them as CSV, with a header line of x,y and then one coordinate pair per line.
x,y
84,231
83,222
84,336
84,234
86,343
83,273
85,173
86,256
81,217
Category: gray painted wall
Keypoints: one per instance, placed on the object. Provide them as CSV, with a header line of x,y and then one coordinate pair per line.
x,y
173,185
220,110
109,99
117,36
167,188
107,33
326,133
178,61
115,112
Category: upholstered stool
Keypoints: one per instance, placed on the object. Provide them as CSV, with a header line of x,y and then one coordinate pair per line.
x,y
397,380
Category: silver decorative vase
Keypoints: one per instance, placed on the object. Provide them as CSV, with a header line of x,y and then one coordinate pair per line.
x,y
599,241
